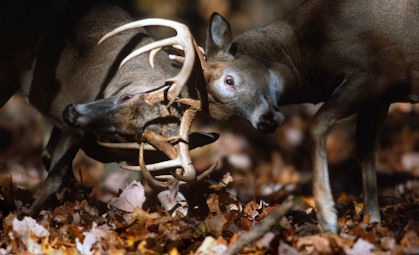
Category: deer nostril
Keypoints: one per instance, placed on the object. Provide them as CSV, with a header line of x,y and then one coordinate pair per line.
x,y
70,115
267,123
124,98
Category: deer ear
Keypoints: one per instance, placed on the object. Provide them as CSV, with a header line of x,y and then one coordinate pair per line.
x,y
219,37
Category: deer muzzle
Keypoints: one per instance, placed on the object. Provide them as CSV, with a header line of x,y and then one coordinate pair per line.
x,y
71,115
267,123
98,115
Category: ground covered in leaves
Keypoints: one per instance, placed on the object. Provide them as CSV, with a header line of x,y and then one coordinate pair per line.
x,y
106,210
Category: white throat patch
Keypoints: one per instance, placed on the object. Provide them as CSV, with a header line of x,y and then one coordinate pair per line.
x,y
276,86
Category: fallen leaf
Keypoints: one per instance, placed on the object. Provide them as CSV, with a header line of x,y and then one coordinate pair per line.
x,y
143,249
91,237
410,241
360,247
251,210
214,224
132,197
388,243
314,244
210,246
27,226
115,181
286,249
177,204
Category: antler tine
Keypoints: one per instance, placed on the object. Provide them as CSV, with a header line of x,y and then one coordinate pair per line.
x,y
181,158
207,172
139,24
157,166
130,168
183,152
149,47
133,146
183,38
146,173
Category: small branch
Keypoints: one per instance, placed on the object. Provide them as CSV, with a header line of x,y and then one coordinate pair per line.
x,y
260,229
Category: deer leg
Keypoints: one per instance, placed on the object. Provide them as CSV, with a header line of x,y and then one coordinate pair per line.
x,y
49,149
349,97
325,206
61,159
369,129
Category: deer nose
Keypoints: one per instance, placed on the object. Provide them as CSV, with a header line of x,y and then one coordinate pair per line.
x,y
267,123
70,115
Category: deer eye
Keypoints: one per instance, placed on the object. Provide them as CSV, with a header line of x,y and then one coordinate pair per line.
x,y
229,81
124,98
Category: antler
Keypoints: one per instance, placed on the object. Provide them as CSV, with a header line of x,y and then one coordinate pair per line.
x,y
183,38
178,152
175,147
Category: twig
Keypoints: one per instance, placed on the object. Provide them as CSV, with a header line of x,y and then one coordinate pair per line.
x,y
260,229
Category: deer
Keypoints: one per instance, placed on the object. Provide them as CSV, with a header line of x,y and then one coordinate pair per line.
x,y
355,57
52,55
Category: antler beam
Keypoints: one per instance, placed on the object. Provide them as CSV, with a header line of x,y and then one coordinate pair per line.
x,y
183,38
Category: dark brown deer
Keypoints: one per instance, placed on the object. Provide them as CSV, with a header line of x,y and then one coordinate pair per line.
x,y
50,52
356,56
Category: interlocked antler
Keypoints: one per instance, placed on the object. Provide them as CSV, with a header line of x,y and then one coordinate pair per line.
x,y
179,155
183,38
176,148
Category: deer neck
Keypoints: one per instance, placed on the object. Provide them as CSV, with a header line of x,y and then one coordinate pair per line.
x,y
277,45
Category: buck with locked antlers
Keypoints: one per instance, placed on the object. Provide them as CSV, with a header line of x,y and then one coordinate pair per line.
x,y
127,118
59,62
356,56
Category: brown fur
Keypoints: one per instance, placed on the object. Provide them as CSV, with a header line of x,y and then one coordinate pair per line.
x,y
49,50
356,56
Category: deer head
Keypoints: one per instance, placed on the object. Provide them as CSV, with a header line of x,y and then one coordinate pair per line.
x,y
240,83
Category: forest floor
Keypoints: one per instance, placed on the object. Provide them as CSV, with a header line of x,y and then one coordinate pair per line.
x,y
105,211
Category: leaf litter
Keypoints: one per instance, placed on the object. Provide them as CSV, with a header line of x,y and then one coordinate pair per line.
x,y
257,176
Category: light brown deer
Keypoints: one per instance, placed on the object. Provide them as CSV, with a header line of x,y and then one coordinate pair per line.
x,y
356,56
50,52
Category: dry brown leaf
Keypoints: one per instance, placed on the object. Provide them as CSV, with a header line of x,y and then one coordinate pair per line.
x,y
214,224
410,241
314,244
286,249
